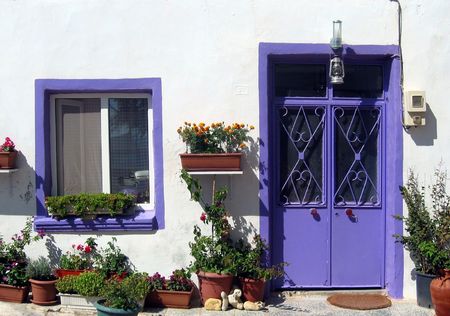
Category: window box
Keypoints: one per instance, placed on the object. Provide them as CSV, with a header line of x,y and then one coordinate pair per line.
x,y
8,160
89,205
15,294
211,162
171,299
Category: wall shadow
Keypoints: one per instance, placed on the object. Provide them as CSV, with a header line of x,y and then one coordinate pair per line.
x,y
17,189
425,135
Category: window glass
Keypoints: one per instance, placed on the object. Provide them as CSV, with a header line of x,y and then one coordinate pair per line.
x,y
360,81
128,146
300,80
78,137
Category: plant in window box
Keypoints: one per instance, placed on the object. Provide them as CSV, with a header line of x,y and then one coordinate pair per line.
x,y
213,147
111,262
89,204
8,154
79,259
214,255
42,281
253,272
80,291
428,239
13,263
176,292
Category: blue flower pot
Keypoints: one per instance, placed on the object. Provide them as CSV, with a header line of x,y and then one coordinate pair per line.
x,y
108,311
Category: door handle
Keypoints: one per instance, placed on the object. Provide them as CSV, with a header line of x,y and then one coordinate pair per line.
x,y
349,212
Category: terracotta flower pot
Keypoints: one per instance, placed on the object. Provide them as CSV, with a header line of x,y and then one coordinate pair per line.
x,y
211,162
440,294
15,294
8,160
212,284
253,289
172,299
44,292
60,273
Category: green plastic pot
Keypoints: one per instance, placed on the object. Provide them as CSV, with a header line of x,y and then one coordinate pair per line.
x,y
108,311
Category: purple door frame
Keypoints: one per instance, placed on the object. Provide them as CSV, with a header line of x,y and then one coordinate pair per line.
x,y
393,262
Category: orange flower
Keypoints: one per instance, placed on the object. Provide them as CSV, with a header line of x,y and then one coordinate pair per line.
x,y
242,125
213,125
201,124
179,130
242,145
207,128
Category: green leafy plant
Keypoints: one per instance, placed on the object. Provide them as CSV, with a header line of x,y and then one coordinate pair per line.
x,y
214,138
138,283
81,257
120,295
89,284
13,261
428,238
40,269
67,284
252,261
215,252
87,204
111,261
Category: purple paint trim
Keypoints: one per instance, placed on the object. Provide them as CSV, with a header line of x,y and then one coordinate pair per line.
x,y
141,221
43,89
394,143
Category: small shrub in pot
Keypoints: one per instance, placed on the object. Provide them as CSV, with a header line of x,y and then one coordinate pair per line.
x,y
42,281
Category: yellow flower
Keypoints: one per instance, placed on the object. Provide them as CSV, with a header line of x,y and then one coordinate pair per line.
x,y
179,130
242,125
213,125
252,127
201,124
242,145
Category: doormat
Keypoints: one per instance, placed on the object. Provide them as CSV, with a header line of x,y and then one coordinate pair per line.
x,y
360,301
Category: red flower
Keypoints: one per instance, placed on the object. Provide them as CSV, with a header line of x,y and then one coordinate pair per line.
x,y
87,249
203,217
80,247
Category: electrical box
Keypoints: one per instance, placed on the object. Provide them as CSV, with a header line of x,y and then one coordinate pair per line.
x,y
415,108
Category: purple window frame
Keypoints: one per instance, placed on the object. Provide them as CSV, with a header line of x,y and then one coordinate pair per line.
x,y
143,220
394,143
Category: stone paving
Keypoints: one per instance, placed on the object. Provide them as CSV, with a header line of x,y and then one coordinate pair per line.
x,y
283,306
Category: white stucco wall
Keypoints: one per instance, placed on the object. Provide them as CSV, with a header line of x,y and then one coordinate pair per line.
x,y
202,50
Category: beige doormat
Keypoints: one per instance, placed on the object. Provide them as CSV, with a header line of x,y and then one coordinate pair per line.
x,y
359,301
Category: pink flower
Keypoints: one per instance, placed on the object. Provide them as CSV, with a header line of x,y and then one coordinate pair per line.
x,y
87,249
203,217
80,247
41,233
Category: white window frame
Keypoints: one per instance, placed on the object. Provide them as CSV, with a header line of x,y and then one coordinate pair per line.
x,y
104,121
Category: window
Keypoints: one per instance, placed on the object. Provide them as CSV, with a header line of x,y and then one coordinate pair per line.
x,y
100,135
300,80
101,143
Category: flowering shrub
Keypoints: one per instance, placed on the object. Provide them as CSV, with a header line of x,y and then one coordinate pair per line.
x,y
81,257
178,281
8,145
157,282
111,261
13,261
214,138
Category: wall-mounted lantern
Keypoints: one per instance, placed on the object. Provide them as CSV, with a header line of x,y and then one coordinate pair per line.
x,y
337,72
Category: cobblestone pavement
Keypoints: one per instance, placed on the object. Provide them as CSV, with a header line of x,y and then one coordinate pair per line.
x,y
290,305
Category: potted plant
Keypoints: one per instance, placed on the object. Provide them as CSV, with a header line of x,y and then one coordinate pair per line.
x,y
80,291
89,204
111,262
79,259
138,282
14,286
176,292
214,146
42,282
428,232
214,255
119,298
253,271
8,154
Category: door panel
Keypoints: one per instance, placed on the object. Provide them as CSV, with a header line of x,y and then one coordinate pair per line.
x,y
328,217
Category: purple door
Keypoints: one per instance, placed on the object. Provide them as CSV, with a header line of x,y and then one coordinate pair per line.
x,y
327,158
